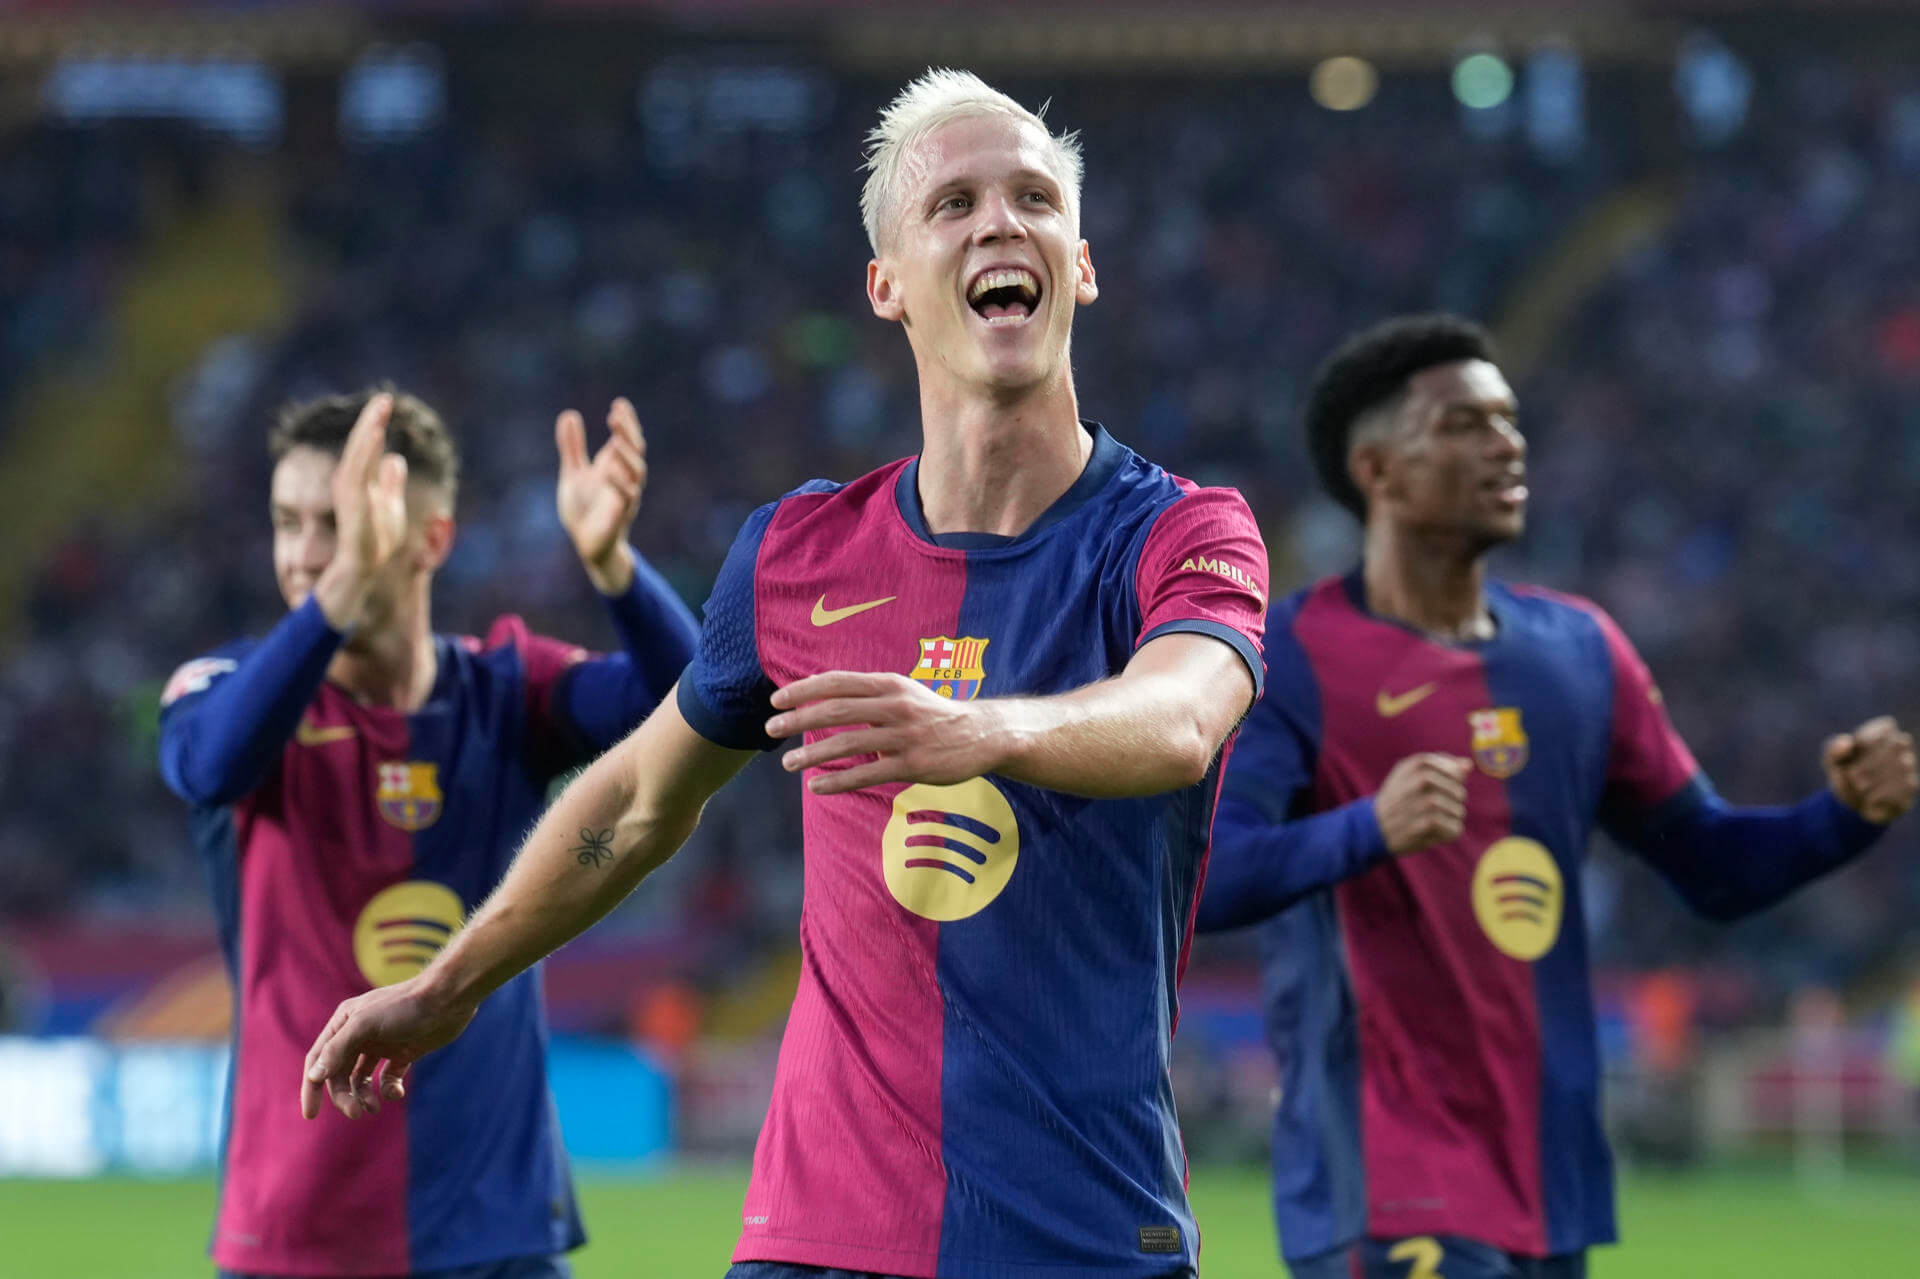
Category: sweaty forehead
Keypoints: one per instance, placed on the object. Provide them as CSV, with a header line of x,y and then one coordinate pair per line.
x,y
984,147
1475,382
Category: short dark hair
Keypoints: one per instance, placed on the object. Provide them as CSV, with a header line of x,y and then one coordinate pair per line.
x,y
414,431
1369,369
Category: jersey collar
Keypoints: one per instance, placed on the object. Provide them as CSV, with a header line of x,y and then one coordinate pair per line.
x,y
1106,458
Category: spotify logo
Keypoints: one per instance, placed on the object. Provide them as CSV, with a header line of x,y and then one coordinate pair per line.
x,y
1517,896
403,928
948,851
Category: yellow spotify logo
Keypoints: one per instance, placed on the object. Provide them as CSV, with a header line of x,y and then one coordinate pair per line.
x,y
1517,895
949,850
403,928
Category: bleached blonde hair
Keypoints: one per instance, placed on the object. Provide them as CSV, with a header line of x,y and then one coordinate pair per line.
x,y
939,97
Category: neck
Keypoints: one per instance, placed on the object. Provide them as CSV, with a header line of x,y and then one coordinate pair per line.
x,y
394,666
994,466
1432,582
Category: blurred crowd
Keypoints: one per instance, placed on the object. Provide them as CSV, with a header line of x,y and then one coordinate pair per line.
x,y
1726,435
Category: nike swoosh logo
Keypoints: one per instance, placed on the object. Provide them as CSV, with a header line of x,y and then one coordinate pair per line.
x,y
1389,706
824,616
311,734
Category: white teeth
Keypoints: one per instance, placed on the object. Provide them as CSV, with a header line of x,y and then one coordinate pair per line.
x,y
1015,278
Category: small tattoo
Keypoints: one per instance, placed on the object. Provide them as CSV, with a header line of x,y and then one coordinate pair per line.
x,y
596,849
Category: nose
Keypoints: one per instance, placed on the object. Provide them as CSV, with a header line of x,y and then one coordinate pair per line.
x,y
1508,442
998,220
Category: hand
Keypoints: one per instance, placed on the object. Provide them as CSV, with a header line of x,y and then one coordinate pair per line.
x,y
370,1044
1423,802
1872,770
915,734
598,499
369,488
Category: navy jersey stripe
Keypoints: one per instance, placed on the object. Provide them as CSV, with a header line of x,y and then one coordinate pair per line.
x,y
1551,662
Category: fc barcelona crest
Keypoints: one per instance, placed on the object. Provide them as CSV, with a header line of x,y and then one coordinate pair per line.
x,y
409,795
1499,743
952,667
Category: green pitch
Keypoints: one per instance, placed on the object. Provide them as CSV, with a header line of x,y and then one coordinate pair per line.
x,y
681,1226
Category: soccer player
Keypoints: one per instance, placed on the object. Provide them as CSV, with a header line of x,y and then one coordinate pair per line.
x,y
358,785
1439,1079
1014,659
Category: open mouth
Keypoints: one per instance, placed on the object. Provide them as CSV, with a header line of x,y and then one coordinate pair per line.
x,y
1508,490
1005,296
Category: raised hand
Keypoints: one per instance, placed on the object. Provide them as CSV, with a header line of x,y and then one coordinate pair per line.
x,y
598,498
1872,769
369,488
916,734
1423,802
363,1055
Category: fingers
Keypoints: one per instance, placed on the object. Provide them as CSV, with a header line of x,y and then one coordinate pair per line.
x,y
570,437
625,425
836,712
1879,728
367,442
1838,749
393,1079
872,741
833,684
391,482
877,773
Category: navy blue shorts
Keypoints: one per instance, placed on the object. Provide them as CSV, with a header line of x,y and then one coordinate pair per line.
x,y
544,1267
1434,1256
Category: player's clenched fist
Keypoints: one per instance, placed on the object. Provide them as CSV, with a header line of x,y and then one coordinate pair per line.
x,y
1872,769
1423,802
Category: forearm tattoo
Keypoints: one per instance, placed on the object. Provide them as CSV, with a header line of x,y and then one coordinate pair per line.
x,y
595,847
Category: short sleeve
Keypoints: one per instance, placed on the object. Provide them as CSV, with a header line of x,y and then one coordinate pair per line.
x,y
1203,569
724,693
1647,762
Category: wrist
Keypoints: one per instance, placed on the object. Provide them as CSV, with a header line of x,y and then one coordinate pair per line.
x,y
612,572
341,589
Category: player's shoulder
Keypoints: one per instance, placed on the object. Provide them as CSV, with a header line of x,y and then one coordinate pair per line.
x,y
1560,621
1547,606
511,646
196,675
827,508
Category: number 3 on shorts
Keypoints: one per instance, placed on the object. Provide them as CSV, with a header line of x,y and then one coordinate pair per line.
x,y
1424,1253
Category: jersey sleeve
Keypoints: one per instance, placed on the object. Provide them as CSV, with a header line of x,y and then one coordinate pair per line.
x,y
1203,569
1647,762
724,692
225,717
1270,847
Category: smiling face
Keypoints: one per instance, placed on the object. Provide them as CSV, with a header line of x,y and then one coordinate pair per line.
x,y
981,257
1451,459
305,536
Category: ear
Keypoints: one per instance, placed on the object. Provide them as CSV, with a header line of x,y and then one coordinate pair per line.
x,y
883,294
1371,466
436,540
1085,289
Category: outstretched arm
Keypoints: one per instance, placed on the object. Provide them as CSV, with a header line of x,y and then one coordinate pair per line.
x,y
1155,727
620,819
1730,861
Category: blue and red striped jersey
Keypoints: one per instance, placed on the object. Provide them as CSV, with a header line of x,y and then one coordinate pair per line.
x,y
368,838
974,1079
1431,1013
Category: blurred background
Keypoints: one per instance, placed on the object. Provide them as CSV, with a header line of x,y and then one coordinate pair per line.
x,y
1695,227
